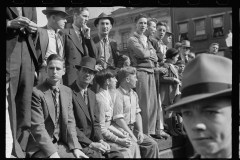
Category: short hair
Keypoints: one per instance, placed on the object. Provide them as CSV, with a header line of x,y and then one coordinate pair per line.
x,y
139,17
103,75
121,60
55,57
177,45
79,10
214,44
162,24
124,72
151,20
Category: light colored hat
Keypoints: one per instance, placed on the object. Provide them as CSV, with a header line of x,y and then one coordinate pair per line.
x,y
206,76
55,9
186,43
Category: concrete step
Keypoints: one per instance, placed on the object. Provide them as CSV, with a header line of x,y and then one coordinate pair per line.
x,y
170,142
175,152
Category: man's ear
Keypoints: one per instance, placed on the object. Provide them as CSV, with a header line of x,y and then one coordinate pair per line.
x,y
108,81
127,79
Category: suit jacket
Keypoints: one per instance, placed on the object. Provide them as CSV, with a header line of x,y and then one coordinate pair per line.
x,y
13,34
113,44
74,53
155,45
43,120
88,128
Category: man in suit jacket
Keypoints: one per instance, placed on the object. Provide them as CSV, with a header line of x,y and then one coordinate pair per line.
x,y
53,127
77,43
88,129
21,63
47,42
107,52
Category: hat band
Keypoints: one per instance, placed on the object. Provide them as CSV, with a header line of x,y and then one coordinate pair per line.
x,y
202,88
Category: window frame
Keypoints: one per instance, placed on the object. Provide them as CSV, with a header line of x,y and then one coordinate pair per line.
x,y
195,28
179,33
223,27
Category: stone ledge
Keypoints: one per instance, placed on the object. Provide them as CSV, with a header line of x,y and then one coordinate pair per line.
x,y
170,142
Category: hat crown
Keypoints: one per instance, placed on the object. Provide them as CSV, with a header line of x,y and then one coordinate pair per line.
x,y
54,9
170,52
88,62
102,16
185,43
207,68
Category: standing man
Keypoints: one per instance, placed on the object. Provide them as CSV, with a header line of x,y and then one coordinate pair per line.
x,y
213,48
107,52
53,127
151,23
168,37
184,51
206,106
78,43
21,63
84,100
50,38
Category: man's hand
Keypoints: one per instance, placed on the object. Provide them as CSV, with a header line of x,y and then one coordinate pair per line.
x,y
106,145
32,27
140,137
177,80
98,147
55,155
79,154
126,142
98,67
86,31
18,22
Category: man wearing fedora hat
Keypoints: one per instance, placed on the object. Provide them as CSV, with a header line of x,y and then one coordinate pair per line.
x,y
184,51
107,51
50,40
168,37
84,100
206,107
78,43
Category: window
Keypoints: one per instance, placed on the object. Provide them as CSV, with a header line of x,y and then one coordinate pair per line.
x,y
125,37
200,27
217,23
183,31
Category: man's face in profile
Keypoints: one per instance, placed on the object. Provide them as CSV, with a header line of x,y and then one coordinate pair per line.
x,y
208,124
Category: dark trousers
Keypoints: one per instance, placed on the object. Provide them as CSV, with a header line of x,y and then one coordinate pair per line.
x,y
21,70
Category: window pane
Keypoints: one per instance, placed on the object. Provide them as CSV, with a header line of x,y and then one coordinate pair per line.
x,y
183,28
217,22
200,25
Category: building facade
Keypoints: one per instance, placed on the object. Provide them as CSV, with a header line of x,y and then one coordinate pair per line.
x,y
203,26
124,26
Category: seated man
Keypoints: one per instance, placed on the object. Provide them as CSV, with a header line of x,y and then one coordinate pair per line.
x,y
126,113
53,126
84,100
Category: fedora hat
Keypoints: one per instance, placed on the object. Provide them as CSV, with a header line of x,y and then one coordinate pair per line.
x,y
171,52
169,31
186,43
206,76
103,16
54,9
87,62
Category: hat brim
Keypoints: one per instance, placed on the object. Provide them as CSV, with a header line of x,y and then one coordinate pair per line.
x,y
180,104
170,33
97,20
79,66
53,11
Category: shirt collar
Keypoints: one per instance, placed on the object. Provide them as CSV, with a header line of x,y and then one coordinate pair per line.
x,y
101,38
124,91
49,28
81,89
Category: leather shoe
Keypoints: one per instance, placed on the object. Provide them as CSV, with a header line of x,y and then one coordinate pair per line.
x,y
163,134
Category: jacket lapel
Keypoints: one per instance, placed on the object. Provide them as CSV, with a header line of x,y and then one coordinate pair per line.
x,y
14,10
49,101
44,40
81,101
74,38
64,98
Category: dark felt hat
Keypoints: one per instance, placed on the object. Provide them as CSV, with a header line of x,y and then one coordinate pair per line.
x,y
171,52
54,9
206,76
87,62
103,16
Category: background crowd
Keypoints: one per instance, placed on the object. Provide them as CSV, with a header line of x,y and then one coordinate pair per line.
x,y
115,104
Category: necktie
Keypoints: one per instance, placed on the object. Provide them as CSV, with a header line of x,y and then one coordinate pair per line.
x,y
105,52
56,102
83,44
59,44
85,97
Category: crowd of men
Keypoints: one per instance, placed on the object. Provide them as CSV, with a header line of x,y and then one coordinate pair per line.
x,y
71,96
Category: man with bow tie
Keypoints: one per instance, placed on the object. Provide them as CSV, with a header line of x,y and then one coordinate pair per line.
x,y
50,40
